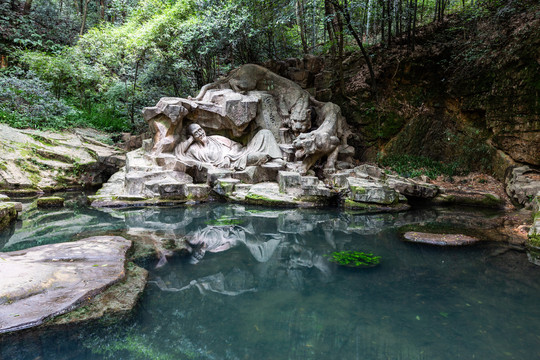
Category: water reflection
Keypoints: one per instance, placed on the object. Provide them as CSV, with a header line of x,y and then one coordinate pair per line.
x,y
258,286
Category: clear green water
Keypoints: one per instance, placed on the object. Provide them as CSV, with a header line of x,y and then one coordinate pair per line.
x,y
273,295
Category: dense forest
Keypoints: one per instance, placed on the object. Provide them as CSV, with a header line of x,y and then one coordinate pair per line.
x,y
98,62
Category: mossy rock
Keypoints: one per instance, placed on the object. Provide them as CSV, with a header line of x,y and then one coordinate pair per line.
x,y
50,202
112,305
256,199
8,213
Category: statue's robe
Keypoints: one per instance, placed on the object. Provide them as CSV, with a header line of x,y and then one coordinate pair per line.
x,y
222,152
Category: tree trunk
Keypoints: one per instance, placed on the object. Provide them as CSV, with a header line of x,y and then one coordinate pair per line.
x,y
345,11
27,7
102,8
85,12
300,21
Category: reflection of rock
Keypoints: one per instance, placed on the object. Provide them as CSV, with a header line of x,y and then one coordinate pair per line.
x,y
52,279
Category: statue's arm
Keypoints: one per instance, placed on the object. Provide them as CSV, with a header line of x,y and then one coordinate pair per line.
x,y
184,145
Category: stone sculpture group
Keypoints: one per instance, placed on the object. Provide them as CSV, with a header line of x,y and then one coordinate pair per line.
x,y
273,116
252,137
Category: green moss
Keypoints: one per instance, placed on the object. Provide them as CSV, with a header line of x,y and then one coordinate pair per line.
x,y
534,240
263,200
357,189
50,202
355,259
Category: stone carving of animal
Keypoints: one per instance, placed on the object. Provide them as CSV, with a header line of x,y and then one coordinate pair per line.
x,y
326,140
293,102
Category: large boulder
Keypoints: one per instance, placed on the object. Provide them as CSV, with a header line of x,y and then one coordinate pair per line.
x,y
42,282
523,185
35,161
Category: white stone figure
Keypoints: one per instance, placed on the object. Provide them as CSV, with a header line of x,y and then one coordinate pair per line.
x,y
221,152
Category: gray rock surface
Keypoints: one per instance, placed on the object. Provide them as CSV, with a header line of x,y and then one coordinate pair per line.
x,y
36,161
523,185
439,239
42,282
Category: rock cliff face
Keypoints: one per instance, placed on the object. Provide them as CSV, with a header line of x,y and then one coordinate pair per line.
x,y
468,92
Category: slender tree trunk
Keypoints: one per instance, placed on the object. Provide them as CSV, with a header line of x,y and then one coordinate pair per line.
x,y
102,8
14,5
389,14
27,7
85,12
132,115
414,24
300,21
345,11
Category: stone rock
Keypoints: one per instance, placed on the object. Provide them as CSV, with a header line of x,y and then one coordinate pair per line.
x,y
18,205
439,239
409,187
49,280
469,198
225,186
37,161
523,185
288,180
8,213
50,202
371,192
4,198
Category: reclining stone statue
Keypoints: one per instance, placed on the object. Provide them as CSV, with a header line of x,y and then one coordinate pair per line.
x,y
287,123
221,152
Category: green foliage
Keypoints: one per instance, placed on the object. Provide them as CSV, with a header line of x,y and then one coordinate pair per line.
x,y
28,102
354,258
413,166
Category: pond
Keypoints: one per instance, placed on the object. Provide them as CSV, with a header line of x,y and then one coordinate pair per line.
x,y
271,293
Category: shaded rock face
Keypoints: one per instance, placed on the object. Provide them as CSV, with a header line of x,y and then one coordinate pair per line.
x,y
8,213
472,97
523,185
45,281
34,161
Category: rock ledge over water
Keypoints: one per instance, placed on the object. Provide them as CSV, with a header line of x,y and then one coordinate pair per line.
x,y
42,282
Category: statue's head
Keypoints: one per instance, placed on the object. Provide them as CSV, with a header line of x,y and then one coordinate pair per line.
x,y
197,132
301,118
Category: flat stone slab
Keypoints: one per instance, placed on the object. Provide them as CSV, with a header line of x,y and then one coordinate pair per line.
x,y
42,282
439,239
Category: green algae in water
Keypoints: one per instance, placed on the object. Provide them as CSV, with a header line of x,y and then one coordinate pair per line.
x,y
357,259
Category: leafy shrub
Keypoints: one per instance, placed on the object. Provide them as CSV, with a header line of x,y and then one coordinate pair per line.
x,y
28,102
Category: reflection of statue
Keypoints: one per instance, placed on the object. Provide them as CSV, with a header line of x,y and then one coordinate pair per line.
x,y
221,238
221,152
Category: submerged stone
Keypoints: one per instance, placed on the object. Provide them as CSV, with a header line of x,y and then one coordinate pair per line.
x,y
439,239
50,202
